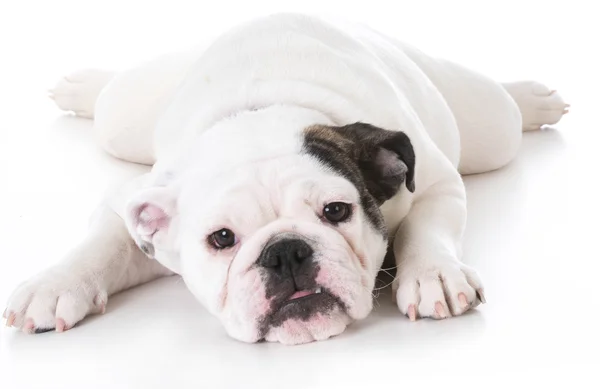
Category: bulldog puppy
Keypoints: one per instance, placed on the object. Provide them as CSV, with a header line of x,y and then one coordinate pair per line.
x,y
288,155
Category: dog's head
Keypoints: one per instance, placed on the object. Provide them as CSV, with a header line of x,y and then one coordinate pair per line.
x,y
278,232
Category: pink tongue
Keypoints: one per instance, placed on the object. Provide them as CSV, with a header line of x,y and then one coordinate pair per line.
x,y
300,293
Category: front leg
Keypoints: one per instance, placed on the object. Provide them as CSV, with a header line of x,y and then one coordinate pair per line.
x,y
106,262
431,279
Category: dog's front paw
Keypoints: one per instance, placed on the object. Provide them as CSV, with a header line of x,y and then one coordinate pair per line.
x,y
55,299
440,290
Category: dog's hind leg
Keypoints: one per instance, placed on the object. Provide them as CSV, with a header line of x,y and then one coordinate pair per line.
x,y
490,116
79,91
126,105
539,105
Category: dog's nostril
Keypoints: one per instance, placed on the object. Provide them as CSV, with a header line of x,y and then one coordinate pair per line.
x,y
303,252
271,261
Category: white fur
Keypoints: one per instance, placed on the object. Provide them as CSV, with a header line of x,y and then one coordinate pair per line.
x,y
223,126
79,91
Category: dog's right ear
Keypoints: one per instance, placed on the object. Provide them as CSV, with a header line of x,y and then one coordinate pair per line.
x,y
149,217
383,159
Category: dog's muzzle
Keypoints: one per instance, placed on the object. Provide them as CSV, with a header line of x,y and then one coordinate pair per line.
x,y
290,270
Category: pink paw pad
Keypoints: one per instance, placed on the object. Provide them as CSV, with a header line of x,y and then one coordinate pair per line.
x,y
60,325
412,312
29,326
440,310
11,319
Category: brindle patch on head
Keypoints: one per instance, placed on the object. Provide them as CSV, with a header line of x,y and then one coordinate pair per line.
x,y
375,160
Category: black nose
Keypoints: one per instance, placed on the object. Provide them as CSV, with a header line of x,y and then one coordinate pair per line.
x,y
285,255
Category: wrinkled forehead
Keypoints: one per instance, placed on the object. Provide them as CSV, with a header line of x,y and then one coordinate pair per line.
x,y
272,185
242,139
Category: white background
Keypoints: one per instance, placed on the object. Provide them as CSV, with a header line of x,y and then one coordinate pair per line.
x,y
532,233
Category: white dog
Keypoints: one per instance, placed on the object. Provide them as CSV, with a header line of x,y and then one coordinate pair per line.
x,y
287,157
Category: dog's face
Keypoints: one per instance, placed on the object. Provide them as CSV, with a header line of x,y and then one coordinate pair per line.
x,y
285,247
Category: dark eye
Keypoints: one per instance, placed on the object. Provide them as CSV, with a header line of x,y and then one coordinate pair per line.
x,y
337,212
222,239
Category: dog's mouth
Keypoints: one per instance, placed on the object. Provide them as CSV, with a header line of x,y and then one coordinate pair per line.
x,y
304,294
303,305
304,315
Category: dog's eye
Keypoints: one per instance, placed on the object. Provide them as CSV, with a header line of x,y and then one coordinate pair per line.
x,y
337,212
222,239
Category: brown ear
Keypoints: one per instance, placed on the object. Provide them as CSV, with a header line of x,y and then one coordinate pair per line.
x,y
385,159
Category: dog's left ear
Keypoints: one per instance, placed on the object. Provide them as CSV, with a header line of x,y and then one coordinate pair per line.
x,y
149,218
385,158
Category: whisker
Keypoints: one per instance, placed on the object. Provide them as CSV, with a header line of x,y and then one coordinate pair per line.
x,y
375,298
375,295
388,273
385,286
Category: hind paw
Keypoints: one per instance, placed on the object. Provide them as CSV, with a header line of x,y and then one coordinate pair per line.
x,y
539,104
78,91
